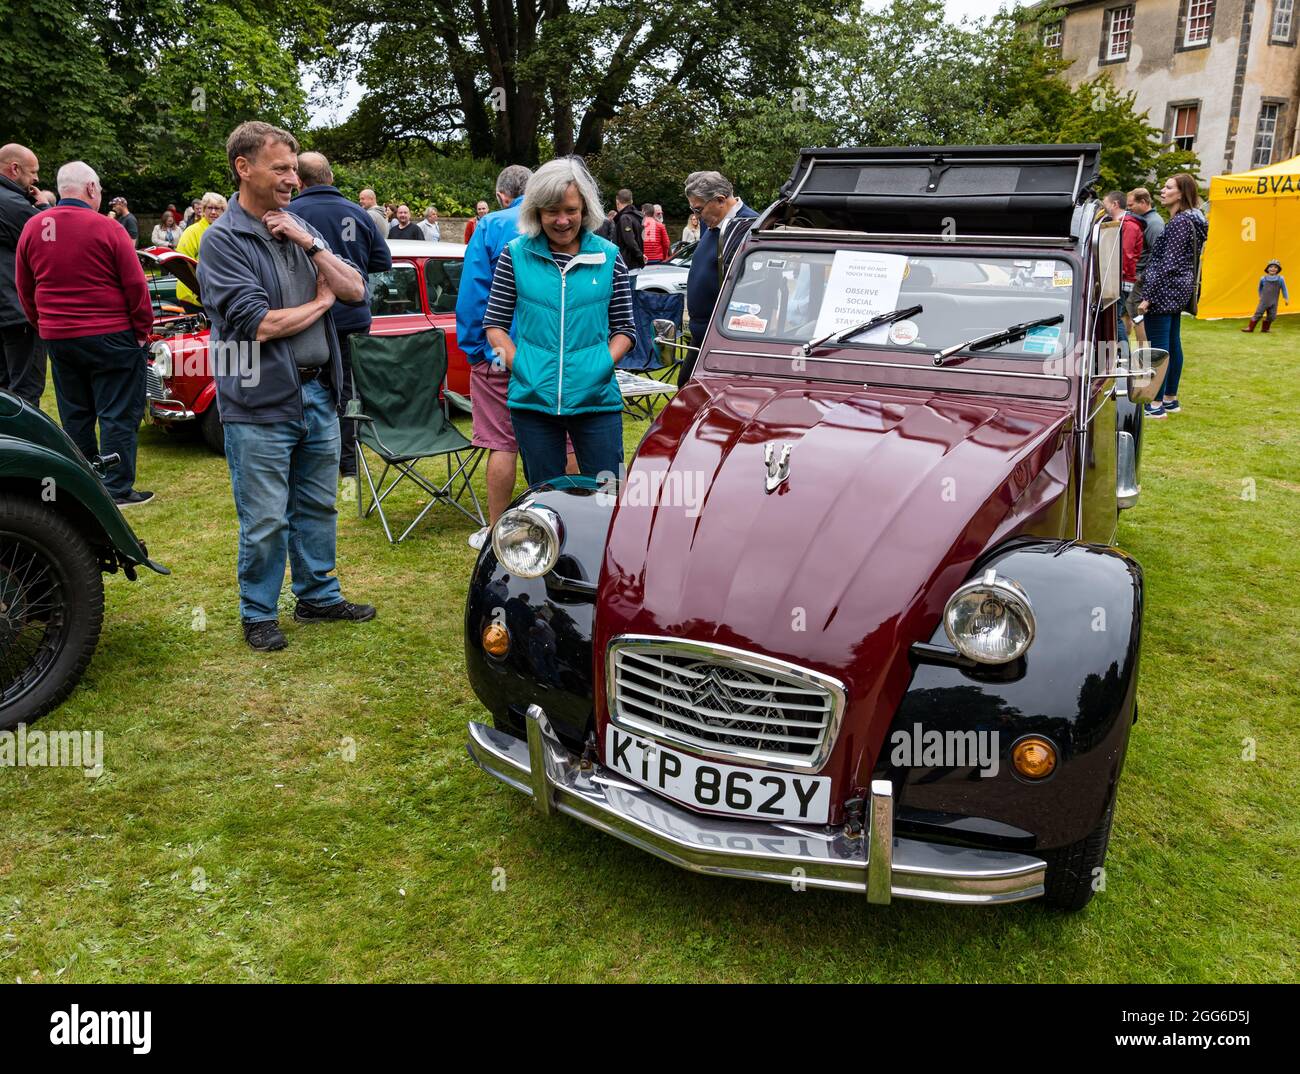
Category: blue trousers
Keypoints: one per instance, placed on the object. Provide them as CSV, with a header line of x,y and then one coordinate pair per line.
x,y
284,477
1164,330
597,441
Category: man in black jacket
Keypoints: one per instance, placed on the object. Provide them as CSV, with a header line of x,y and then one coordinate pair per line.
x,y
626,230
23,370
352,234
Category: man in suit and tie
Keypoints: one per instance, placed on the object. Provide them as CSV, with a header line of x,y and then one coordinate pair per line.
x,y
724,222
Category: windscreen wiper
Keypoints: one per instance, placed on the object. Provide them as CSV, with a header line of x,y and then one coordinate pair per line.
x,y
875,322
996,339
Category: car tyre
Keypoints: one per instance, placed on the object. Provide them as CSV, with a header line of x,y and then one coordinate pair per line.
x,y
1071,870
214,434
40,665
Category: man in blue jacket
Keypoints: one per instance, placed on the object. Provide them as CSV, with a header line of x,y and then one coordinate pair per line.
x,y
724,222
351,233
269,281
489,379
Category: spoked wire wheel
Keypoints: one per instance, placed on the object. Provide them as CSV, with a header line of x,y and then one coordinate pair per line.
x,y
33,626
51,608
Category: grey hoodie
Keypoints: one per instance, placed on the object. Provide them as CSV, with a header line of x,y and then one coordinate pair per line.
x,y
239,281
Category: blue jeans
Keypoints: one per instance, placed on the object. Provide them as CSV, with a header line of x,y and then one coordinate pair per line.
x,y
284,477
1164,330
597,441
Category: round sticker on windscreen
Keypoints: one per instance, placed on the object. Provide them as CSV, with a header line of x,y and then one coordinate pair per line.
x,y
901,333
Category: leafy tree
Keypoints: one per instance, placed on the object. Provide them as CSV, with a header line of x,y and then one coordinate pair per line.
x,y
906,76
61,96
652,147
147,90
231,67
509,75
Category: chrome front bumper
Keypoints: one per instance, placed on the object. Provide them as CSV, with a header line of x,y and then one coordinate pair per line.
x,y
876,863
166,414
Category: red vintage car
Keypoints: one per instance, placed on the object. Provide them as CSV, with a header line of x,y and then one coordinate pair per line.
x,y
419,291
853,618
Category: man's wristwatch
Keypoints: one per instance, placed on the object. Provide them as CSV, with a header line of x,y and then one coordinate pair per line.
x,y
317,245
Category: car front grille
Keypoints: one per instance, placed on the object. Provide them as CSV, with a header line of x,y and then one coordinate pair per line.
x,y
717,700
153,385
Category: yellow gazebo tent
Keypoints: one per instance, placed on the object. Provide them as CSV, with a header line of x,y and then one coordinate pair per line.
x,y
1254,219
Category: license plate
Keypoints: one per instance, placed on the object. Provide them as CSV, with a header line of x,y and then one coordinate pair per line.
x,y
713,788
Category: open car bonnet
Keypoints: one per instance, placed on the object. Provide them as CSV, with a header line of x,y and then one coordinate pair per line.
x,y
890,497
171,263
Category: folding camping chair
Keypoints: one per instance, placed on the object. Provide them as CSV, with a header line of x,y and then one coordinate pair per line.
x,y
401,420
647,375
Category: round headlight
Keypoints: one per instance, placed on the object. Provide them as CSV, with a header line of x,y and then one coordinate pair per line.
x,y
526,540
162,358
989,620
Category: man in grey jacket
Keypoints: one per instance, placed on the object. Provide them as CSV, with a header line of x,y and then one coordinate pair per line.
x,y
23,369
269,281
1153,226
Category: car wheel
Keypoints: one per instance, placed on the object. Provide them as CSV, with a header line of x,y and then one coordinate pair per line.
x,y
214,435
51,609
1072,870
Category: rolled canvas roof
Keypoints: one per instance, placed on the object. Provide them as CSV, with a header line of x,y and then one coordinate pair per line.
x,y
989,189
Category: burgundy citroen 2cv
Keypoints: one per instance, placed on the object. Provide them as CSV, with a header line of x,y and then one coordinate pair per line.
x,y
853,617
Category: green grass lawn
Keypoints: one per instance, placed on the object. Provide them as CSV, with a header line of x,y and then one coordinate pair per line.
x,y
312,814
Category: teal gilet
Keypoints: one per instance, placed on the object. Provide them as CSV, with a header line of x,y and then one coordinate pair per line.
x,y
562,363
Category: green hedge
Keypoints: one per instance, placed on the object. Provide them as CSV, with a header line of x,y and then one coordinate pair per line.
x,y
453,184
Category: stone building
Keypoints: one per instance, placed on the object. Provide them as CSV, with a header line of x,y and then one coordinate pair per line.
x,y
1221,76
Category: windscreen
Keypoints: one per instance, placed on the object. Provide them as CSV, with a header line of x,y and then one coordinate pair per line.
x,y
798,296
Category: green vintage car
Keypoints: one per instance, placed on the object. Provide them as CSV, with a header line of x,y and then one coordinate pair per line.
x,y
59,532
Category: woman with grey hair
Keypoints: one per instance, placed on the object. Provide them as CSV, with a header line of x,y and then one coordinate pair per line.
x,y
568,295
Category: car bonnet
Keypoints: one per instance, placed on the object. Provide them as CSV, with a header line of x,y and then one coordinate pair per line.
x,y
891,497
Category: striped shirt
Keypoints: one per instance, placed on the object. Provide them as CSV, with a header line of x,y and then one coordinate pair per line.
x,y
502,297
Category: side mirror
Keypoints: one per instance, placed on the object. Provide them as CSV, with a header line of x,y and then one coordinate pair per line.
x,y
1145,375
668,334
1108,261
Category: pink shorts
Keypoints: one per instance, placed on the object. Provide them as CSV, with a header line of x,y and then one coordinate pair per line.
x,y
488,390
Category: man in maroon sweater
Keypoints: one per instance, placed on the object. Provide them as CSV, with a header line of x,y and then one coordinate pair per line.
x,y
81,284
